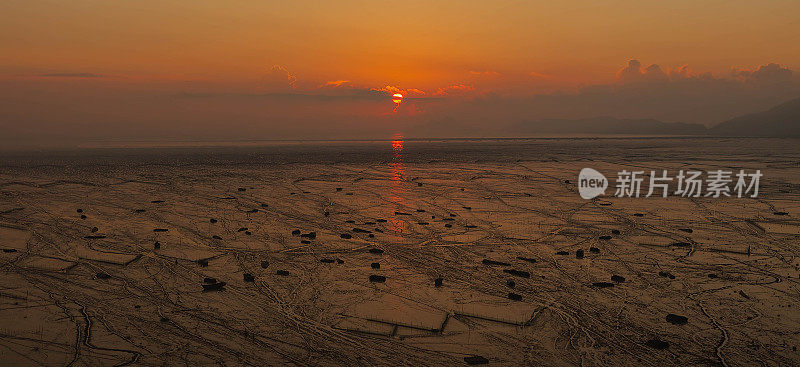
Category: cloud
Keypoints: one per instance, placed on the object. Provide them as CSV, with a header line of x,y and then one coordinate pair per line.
x,y
484,73
279,78
455,90
770,73
335,84
634,72
407,93
72,75
539,75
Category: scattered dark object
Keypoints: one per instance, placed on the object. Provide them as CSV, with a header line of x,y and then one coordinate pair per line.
x,y
438,282
305,242
615,231
216,237
514,297
157,245
264,264
638,215
346,236
164,319
209,280
579,254
103,276
94,229
248,277
475,360
401,213
375,265
562,253
603,284
338,189
369,223
9,250
423,223
248,233
202,262
617,278
741,293
94,237
419,183
296,232
253,210
214,287
781,213
492,262
528,259
467,207
212,220
517,273
376,251
470,226
241,229
448,225
139,210
326,261
264,205
712,276
311,235
282,272
160,230
511,283
448,219
157,201
242,189
359,230
371,235
83,216
380,220
452,215
657,344
604,203
677,319
377,278
605,237
339,261
79,210
420,210
687,230
350,221
566,181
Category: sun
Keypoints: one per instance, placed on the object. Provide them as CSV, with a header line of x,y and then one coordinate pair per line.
x,y
397,98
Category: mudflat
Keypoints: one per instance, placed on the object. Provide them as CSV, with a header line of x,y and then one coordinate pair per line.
x,y
395,253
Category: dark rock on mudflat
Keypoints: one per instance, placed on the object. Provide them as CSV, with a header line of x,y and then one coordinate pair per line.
x,y
687,230
359,230
157,201
94,229
241,229
296,232
9,250
517,273
681,244
617,278
603,284
475,360
615,231
638,215
657,344
377,278
282,272
493,262
209,280
376,251
212,220
103,276
401,213
94,237
216,237
339,261
438,282
160,230
264,264
605,237
579,254
594,250
79,210
781,213
514,297
202,262
157,245
248,233
511,283
470,226
247,277
214,286
326,261
83,216
310,235
380,220
350,221
346,236
528,259
563,253
448,225
677,319
375,265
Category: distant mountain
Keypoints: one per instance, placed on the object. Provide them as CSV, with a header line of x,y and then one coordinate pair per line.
x,y
780,121
608,125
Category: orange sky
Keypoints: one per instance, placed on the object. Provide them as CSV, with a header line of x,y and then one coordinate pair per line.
x,y
96,69
414,44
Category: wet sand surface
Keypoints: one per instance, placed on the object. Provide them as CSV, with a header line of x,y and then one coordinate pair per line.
x,y
396,253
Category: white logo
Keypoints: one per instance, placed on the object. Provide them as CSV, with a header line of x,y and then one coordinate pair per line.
x,y
591,183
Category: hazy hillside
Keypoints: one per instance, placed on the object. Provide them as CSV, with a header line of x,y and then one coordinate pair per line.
x,y
780,121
